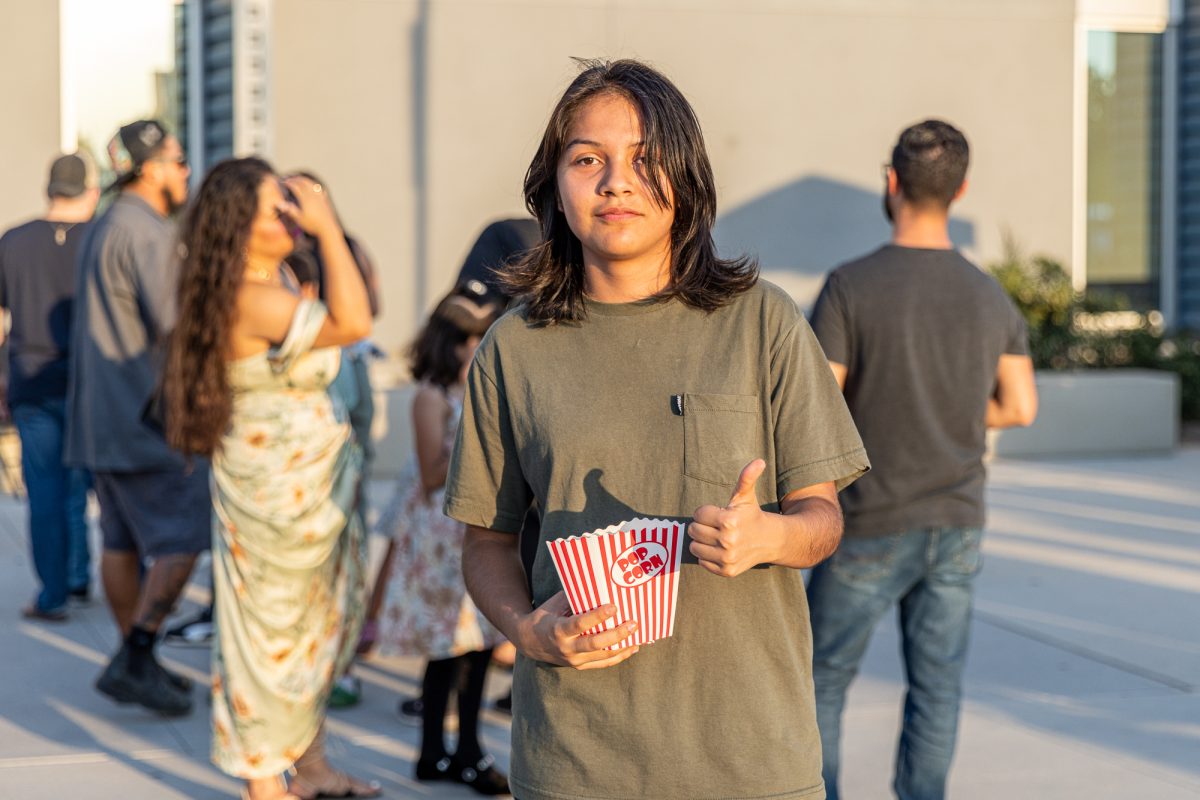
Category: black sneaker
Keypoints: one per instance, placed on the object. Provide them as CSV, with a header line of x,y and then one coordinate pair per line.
x,y
80,598
504,704
482,776
429,769
150,687
412,712
194,632
181,682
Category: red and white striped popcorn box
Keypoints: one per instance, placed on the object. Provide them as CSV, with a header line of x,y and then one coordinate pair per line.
x,y
634,566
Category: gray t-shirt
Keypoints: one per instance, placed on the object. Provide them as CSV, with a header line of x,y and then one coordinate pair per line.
x,y
582,418
124,308
921,333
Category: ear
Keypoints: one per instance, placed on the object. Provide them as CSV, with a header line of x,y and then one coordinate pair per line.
x,y
893,182
151,173
961,191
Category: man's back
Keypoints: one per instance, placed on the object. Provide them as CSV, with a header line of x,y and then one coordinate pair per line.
x,y
37,285
125,306
920,332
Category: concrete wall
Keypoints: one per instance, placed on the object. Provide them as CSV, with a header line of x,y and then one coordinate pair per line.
x,y
1099,412
29,95
342,98
423,116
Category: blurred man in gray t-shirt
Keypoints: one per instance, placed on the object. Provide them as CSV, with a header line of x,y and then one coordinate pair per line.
x,y
153,506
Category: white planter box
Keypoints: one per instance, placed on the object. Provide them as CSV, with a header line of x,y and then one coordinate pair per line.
x,y
1098,412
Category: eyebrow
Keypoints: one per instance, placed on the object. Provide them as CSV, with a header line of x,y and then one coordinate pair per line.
x,y
574,142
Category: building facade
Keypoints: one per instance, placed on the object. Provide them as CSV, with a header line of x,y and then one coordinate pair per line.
x,y
422,115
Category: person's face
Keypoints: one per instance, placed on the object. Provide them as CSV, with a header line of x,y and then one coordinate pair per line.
x,y
169,171
604,190
269,235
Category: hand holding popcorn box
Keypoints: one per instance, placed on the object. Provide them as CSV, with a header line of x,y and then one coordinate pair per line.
x,y
634,566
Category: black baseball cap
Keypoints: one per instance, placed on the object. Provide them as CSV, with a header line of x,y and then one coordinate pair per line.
x,y
70,176
134,145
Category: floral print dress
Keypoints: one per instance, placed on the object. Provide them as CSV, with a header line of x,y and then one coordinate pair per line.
x,y
288,556
427,611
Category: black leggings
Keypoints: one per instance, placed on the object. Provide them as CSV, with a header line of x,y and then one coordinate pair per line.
x,y
465,673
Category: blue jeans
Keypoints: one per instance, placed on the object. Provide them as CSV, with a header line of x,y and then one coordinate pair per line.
x,y
58,532
929,574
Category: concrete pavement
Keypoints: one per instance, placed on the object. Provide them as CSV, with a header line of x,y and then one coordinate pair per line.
x,y
1083,680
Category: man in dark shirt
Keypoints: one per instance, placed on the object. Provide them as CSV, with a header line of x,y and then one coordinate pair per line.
x,y
930,353
154,507
37,287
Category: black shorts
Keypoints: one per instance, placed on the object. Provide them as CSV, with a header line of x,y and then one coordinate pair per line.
x,y
155,513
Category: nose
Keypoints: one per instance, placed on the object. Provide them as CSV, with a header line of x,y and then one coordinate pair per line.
x,y
619,178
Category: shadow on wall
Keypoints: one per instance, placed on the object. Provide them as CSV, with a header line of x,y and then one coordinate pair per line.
x,y
805,228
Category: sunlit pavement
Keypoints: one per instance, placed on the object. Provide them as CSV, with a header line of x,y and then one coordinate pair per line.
x,y
1083,680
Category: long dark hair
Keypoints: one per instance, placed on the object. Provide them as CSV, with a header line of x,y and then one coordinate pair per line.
x,y
549,279
463,313
213,239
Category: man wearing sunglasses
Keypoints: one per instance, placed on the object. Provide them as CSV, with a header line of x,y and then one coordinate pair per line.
x,y
154,507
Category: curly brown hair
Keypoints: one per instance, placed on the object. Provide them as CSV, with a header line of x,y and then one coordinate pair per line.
x,y
213,237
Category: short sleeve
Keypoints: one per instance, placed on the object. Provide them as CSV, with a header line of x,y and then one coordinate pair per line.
x,y
1017,337
156,273
831,322
485,485
816,440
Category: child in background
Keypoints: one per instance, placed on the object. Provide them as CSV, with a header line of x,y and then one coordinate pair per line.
x,y
426,610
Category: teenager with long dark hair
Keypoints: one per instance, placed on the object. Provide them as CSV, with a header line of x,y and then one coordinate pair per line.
x,y
247,384
644,375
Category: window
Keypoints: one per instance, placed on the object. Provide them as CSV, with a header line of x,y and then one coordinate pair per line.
x,y
1124,164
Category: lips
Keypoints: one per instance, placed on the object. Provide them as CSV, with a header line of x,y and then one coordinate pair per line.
x,y
617,214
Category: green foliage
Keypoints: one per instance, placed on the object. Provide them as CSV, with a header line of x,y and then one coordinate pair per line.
x,y
1069,330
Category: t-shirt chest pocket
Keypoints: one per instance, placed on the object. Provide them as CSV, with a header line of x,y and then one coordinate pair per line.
x,y
721,433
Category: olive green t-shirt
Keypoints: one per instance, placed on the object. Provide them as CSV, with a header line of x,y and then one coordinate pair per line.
x,y
586,418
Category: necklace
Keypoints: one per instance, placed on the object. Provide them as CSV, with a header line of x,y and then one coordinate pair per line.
x,y
263,275
60,232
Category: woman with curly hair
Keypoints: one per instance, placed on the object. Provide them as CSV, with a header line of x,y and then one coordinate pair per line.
x,y
247,377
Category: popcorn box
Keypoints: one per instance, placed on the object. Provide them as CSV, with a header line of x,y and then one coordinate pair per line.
x,y
634,566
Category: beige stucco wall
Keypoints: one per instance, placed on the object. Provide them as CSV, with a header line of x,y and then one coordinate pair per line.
x,y
29,95
423,116
341,103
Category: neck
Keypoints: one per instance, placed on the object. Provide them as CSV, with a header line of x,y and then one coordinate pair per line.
x,y
258,265
68,209
928,230
154,197
607,281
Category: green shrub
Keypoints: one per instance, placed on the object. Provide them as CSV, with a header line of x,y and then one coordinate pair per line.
x,y
1069,330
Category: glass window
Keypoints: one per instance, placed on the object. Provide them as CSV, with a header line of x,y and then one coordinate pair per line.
x,y
1124,136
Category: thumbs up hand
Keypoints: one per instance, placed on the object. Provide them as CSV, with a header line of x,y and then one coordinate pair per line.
x,y
728,541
